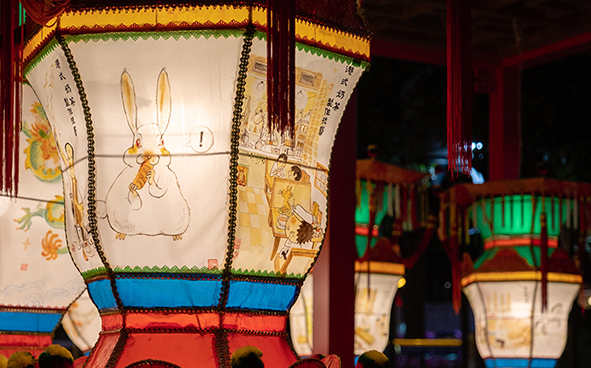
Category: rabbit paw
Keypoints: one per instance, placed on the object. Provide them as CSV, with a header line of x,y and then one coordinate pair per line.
x,y
120,236
150,177
177,237
133,189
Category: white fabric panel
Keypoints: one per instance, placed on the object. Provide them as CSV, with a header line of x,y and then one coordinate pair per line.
x,y
300,319
180,218
509,319
82,322
274,201
36,269
373,303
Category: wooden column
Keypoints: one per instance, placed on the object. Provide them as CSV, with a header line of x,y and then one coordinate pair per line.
x,y
334,289
505,124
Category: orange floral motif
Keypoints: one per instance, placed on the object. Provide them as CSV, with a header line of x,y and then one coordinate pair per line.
x,y
51,244
41,133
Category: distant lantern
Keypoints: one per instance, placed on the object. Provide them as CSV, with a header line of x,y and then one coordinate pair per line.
x,y
382,190
401,194
38,280
377,279
196,150
522,287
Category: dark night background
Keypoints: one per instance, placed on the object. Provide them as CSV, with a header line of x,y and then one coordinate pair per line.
x,y
402,109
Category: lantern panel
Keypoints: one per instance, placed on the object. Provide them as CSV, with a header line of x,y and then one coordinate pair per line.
x,y
477,304
510,324
509,223
283,179
508,308
373,304
37,270
362,217
195,109
82,323
37,278
300,319
551,326
362,210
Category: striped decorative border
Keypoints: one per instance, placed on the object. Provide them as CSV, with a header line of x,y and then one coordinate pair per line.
x,y
520,276
193,18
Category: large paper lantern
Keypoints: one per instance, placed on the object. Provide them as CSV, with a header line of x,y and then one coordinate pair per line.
x,y
38,280
199,220
522,287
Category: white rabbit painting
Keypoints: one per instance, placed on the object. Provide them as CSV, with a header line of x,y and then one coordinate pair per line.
x,y
145,198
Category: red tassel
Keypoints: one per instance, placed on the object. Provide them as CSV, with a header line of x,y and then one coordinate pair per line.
x,y
404,205
413,207
459,87
456,276
42,11
281,65
376,195
10,87
492,214
425,240
544,258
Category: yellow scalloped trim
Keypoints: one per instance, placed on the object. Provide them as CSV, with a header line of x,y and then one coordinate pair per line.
x,y
380,267
520,276
164,17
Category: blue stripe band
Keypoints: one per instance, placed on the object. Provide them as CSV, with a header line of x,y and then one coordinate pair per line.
x,y
519,363
29,322
260,295
169,293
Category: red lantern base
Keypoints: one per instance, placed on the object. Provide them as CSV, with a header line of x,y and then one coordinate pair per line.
x,y
189,338
33,343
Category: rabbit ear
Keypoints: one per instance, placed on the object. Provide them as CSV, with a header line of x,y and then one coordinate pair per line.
x,y
163,101
128,96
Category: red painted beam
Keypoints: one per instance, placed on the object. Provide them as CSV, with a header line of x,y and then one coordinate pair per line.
x,y
420,54
505,125
548,53
407,52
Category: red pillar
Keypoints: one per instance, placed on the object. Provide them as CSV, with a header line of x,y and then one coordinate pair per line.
x,y
334,288
505,124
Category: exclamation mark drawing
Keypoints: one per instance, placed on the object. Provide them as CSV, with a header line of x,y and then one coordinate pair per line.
x,y
205,140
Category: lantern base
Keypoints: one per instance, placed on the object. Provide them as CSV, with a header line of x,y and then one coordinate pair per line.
x,y
33,343
189,338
